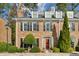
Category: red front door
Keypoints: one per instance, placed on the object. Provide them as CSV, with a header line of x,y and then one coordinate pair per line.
x,y
47,43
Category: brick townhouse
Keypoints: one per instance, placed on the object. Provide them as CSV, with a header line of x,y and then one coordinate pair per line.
x,y
45,27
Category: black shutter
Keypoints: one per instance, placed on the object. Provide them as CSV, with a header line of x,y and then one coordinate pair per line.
x,y
21,27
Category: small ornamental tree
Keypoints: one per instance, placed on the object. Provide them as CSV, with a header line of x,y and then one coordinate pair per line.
x,y
54,34
29,39
64,39
60,41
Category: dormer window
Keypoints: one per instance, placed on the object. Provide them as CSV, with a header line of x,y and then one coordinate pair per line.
x,y
58,14
70,14
48,14
41,14
34,14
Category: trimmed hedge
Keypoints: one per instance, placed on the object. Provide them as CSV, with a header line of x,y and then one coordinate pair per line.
x,y
4,47
56,50
70,50
35,50
20,50
12,49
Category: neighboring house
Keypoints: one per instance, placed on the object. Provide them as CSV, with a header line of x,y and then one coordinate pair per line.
x,y
42,29
5,35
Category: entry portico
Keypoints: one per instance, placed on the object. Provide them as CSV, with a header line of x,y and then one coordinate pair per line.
x,y
47,42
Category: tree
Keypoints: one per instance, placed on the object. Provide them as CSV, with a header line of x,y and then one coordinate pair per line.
x,y
54,34
66,34
74,5
13,23
13,31
60,41
12,13
29,39
30,5
64,43
62,6
5,6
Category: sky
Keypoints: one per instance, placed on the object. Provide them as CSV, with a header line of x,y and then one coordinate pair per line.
x,y
45,6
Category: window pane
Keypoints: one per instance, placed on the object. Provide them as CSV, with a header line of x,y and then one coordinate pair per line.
x,y
72,26
47,26
25,26
35,26
30,26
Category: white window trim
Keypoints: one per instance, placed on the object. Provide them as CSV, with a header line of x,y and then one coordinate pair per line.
x,y
33,25
34,13
23,25
70,25
48,14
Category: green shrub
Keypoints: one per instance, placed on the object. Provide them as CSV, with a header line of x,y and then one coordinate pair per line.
x,y
21,50
70,50
4,46
29,39
12,49
56,50
35,50
26,48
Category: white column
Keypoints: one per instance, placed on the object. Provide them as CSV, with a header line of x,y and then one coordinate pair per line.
x,y
52,42
43,43
17,36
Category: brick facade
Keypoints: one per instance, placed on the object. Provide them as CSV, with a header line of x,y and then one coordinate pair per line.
x,y
52,35
41,34
3,32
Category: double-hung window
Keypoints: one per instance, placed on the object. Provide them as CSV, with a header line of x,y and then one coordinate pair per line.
x,y
47,26
25,26
30,26
72,26
35,26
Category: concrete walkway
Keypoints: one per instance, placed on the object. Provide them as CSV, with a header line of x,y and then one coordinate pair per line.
x,y
39,54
